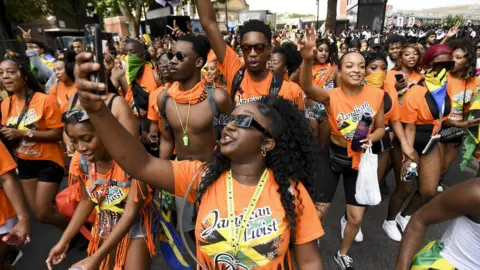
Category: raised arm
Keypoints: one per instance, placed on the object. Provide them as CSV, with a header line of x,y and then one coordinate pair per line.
x,y
309,51
446,206
125,149
209,25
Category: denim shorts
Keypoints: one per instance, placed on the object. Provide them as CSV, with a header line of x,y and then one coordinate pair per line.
x,y
138,228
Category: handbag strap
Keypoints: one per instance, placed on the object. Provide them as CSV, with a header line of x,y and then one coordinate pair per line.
x,y
464,99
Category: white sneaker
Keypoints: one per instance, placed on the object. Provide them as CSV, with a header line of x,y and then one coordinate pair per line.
x,y
402,221
440,188
343,224
390,228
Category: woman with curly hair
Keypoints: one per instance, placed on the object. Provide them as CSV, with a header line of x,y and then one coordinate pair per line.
x,y
285,61
461,88
254,196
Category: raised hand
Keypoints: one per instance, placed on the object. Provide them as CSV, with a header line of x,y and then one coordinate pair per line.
x,y
25,34
86,89
308,46
454,30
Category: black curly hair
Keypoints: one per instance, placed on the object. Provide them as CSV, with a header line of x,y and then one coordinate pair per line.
x,y
32,84
332,50
293,58
295,158
256,26
466,45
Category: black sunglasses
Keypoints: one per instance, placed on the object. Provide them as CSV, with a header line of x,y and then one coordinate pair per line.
x,y
242,121
259,48
179,55
79,115
447,65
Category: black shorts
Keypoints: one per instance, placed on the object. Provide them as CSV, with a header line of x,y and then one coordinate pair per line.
x,y
43,170
339,164
423,133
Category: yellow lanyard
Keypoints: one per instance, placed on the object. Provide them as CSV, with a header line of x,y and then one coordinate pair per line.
x,y
236,238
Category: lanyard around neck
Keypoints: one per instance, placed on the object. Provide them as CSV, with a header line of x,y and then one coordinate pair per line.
x,y
236,238
93,174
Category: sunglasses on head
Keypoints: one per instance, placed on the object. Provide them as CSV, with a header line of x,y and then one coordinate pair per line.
x,y
179,55
79,115
259,48
242,121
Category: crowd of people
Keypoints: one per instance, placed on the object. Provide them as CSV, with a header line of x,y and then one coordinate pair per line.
x,y
251,132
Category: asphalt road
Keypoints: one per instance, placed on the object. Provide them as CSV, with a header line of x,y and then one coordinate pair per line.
x,y
377,251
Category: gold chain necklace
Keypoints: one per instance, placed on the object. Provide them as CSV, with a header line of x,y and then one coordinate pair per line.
x,y
185,129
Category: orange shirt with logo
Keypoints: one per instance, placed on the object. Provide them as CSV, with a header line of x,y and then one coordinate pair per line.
x,y
63,94
6,165
461,93
345,112
43,114
265,244
323,74
250,90
415,109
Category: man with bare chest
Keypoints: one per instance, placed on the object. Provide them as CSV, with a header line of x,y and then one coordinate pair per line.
x,y
188,107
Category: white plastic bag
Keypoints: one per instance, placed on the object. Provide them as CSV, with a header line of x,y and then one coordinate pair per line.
x,y
367,191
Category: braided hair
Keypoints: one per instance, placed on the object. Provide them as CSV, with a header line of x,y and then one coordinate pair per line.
x,y
32,85
293,160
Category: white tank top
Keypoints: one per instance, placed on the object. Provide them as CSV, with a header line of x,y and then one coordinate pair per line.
x,y
462,244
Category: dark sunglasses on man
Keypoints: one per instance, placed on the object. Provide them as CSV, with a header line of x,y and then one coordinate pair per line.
x,y
79,115
242,121
179,55
259,48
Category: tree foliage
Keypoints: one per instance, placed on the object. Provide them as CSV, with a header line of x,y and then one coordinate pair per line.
x,y
452,20
22,11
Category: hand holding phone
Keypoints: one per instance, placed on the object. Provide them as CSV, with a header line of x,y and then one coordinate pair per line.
x,y
94,41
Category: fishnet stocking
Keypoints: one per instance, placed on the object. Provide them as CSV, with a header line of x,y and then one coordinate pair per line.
x,y
429,171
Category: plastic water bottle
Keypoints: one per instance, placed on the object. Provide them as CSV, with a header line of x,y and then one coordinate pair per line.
x,y
361,132
411,172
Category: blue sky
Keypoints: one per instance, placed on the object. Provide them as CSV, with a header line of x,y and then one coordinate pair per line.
x,y
309,6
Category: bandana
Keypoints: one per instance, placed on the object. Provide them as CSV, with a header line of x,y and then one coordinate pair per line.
x,y
436,82
193,96
376,79
134,64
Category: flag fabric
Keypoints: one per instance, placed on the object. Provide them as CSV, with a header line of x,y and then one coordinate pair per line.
x,y
473,135
437,85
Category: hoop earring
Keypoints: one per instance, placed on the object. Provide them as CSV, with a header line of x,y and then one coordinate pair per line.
x,y
264,153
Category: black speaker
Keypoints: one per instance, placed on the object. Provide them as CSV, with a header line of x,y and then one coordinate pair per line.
x,y
368,13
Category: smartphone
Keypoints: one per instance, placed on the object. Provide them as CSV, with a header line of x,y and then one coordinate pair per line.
x,y
398,77
93,35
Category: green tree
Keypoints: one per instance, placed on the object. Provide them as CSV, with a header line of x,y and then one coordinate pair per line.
x,y
132,10
452,20
331,19
22,11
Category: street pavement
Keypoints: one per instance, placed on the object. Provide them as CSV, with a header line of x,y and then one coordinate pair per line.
x,y
377,251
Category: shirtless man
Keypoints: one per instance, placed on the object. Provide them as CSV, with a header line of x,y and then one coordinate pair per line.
x,y
188,127
187,117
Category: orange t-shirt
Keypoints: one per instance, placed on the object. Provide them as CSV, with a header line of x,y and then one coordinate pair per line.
x,y
147,81
43,114
6,164
153,113
323,75
63,94
415,109
391,105
267,238
250,90
390,81
456,89
346,111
